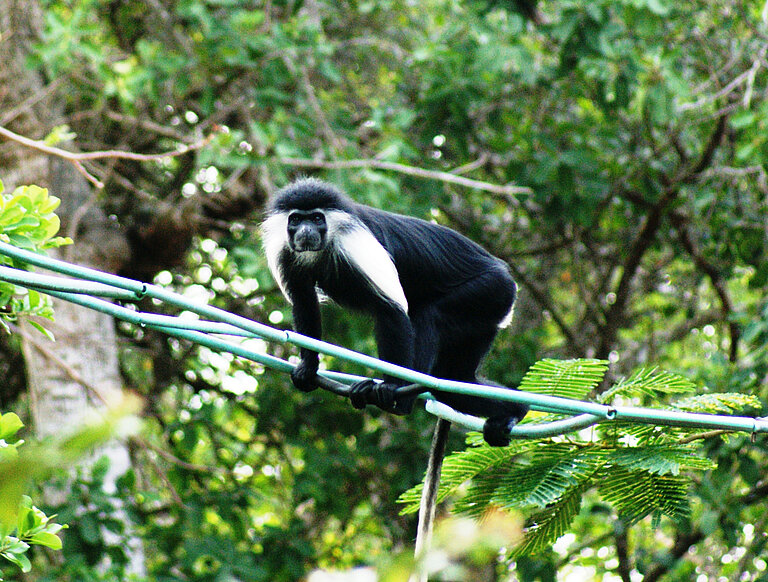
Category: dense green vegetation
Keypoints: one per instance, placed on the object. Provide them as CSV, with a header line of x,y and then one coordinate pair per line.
x,y
619,151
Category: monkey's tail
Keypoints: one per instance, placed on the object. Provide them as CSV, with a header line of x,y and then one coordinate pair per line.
x,y
429,497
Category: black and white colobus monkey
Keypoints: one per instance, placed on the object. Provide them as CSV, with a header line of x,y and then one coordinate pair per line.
x,y
437,297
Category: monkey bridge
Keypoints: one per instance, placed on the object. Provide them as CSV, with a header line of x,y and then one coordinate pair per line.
x,y
219,330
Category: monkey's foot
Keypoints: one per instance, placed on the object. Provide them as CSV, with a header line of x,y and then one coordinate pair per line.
x,y
496,430
304,377
370,392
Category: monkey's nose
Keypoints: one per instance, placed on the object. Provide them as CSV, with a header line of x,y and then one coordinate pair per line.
x,y
307,240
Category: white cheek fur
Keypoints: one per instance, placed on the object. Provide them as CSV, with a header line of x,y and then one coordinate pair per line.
x,y
274,236
507,318
361,249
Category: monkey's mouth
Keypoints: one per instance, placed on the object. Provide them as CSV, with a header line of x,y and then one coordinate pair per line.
x,y
305,246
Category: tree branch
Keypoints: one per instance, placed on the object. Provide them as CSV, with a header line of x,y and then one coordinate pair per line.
x,y
622,553
447,177
78,157
717,283
683,542
616,312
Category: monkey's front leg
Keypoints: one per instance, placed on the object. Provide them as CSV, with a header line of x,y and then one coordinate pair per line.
x,y
304,376
395,339
306,321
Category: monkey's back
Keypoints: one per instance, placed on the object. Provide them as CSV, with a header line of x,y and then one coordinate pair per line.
x,y
431,259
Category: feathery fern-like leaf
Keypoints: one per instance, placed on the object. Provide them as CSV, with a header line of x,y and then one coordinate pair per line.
x,y
554,469
458,468
481,494
648,382
566,378
636,494
545,526
544,483
719,403
659,459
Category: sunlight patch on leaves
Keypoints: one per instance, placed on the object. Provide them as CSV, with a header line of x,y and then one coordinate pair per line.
x,y
724,403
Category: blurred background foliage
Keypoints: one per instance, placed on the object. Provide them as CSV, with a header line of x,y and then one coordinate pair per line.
x,y
639,128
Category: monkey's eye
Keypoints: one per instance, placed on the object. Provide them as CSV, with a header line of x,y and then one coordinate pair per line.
x,y
294,219
318,218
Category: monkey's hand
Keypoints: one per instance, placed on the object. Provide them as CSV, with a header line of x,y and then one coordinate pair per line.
x,y
304,376
381,394
497,429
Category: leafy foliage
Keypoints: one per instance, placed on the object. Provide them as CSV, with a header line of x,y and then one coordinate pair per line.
x,y
21,524
569,379
640,479
636,494
27,220
648,382
639,128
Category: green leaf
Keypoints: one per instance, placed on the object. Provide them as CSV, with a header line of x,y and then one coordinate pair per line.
x,y
46,539
10,215
47,333
10,423
548,478
481,494
26,517
57,241
22,241
457,469
566,378
50,226
24,223
742,119
89,528
19,559
658,7
49,204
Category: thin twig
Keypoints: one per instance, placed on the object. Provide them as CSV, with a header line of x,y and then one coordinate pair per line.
x,y
168,456
73,374
717,281
730,87
478,163
11,114
700,436
314,103
78,157
145,124
505,190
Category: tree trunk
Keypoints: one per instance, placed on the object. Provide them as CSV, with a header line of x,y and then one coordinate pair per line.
x,y
79,373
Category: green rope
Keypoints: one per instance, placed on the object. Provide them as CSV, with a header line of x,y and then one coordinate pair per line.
x,y
84,286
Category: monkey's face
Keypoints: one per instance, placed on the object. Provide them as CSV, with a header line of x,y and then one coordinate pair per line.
x,y
307,231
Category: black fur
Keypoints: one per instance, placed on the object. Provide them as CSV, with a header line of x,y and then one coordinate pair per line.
x,y
457,295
